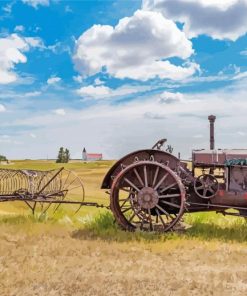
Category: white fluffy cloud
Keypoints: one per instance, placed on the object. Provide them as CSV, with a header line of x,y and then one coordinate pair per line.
x,y
220,19
78,78
19,28
102,92
12,50
2,108
93,91
31,94
36,3
170,97
19,95
59,112
156,116
35,42
32,135
135,48
53,80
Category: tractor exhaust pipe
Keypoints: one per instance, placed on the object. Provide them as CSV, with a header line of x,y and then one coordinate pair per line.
x,y
211,119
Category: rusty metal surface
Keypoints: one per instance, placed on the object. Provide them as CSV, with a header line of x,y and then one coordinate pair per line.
x,y
211,119
217,157
147,154
238,179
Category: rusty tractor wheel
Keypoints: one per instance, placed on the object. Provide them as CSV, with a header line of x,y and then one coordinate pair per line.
x,y
148,196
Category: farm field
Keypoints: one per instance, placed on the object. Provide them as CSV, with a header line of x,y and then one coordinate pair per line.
x,y
86,253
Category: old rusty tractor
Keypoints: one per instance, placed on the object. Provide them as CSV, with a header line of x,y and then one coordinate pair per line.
x,y
151,189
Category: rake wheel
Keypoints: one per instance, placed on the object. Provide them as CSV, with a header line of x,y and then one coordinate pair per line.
x,y
69,187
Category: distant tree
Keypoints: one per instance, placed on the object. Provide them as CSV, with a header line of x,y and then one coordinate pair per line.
x,y
63,155
67,155
60,156
3,158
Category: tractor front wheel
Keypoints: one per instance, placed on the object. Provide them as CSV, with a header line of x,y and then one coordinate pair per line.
x,y
148,196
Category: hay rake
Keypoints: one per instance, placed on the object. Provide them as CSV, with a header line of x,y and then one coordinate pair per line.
x,y
45,188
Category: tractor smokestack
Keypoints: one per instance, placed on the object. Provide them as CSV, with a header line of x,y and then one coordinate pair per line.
x,y
211,119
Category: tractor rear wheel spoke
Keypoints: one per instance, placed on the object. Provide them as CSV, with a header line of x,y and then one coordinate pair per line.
x,y
170,204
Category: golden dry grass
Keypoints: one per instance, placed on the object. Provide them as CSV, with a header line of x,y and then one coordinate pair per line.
x,y
54,262
77,255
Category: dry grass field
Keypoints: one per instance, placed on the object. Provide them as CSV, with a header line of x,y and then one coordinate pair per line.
x,y
86,254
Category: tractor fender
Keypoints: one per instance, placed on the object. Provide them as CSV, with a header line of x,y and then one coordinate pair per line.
x,y
146,154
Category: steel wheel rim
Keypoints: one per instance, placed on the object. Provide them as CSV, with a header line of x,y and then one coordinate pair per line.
x,y
158,176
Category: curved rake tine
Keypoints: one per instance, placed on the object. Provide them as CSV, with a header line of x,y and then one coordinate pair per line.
x,y
50,181
44,212
32,208
69,184
57,207
77,210
67,177
75,186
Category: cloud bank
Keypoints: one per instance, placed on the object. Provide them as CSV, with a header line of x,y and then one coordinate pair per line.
x,y
220,19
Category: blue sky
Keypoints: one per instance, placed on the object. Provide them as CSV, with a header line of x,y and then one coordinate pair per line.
x,y
115,76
